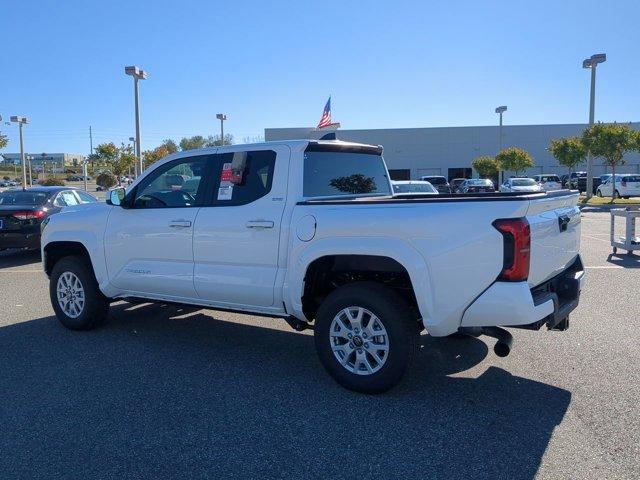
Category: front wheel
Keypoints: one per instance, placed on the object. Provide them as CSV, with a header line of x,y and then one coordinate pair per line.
x,y
616,194
75,296
366,337
599,193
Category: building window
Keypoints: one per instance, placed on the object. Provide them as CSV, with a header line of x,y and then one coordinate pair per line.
x,y
459,173
400,174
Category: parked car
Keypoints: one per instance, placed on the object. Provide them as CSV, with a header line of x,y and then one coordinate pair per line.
x,y
548,182
413,187
309,231
7,183
477,185
22,211
578,181
520,184
438,181
455,184
627,185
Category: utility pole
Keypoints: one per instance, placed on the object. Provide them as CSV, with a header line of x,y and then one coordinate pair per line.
x,y
90,152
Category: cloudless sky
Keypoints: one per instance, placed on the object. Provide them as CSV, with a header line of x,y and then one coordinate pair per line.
x,y
389,64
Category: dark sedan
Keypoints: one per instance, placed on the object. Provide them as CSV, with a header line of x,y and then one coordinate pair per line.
x,y
22,212
477,185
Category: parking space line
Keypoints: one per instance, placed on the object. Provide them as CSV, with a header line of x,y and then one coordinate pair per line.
x,y
20,271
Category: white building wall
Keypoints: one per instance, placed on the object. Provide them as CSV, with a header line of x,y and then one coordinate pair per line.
x,y
432,151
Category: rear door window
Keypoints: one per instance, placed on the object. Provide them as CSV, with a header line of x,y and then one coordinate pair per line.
x,y
243,177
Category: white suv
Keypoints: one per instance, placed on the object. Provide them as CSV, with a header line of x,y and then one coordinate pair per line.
x,y
627,185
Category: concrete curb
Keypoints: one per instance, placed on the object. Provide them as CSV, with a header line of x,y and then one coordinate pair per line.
x,y
605,208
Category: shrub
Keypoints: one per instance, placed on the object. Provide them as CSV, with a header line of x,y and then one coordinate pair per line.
x,y
106,180
52,182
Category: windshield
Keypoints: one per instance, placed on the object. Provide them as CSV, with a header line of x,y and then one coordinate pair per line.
x,y
423,187
479,181
330,174
23,198
523,182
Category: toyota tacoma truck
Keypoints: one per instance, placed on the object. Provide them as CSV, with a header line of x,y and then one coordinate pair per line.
x,y
310,231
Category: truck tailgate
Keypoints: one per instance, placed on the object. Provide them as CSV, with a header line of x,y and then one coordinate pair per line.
x,y
555,234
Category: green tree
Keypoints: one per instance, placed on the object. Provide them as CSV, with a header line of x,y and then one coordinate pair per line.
x,y
514,159
192,143
104,155
569,152
4,141
485,165
170,145
152,156
610,142
214,140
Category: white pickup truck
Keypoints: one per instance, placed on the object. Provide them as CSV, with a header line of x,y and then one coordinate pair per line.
x,y
309,231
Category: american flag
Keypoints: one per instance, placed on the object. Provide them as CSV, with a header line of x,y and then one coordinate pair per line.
x,y
325,120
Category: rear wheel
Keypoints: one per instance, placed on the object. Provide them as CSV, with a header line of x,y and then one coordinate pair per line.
x,y
75,296
599,193
616,194
366,337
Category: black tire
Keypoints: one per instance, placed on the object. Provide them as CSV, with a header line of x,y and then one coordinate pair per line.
x,y
398,321
616,194
599,193
96,305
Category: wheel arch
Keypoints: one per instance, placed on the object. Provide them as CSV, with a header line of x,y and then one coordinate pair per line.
x,y
388,261
55,251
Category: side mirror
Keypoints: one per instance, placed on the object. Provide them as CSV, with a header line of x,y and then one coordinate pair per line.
x,y
116,197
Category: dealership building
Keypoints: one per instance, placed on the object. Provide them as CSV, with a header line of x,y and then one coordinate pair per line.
x,y
413,152
50,160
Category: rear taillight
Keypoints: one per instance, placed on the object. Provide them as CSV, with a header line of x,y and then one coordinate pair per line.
x,y
516,233
30,215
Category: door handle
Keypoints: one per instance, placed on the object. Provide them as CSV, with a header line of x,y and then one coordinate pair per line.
x,y
260,224
180,223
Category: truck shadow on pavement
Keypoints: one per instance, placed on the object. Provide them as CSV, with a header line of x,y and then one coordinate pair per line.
x,y
20,258
161,392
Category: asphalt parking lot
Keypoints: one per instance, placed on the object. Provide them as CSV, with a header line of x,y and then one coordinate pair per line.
x,y
162,392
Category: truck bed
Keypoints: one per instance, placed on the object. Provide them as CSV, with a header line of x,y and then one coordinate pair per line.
x,y
426,198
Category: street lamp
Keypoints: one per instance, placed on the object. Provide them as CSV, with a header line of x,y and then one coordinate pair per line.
x,y
137,74
132,140
500,110
591,63
21,121
222,117
29,158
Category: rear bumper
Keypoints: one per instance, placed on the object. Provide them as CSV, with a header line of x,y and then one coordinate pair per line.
x,y
514,304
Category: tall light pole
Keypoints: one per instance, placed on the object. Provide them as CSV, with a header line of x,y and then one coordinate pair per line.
x,y
222,117
22,121
137,74
500,110
591,63
132,140
29,158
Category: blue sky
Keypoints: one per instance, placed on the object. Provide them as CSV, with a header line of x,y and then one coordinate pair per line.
x,y
273,64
